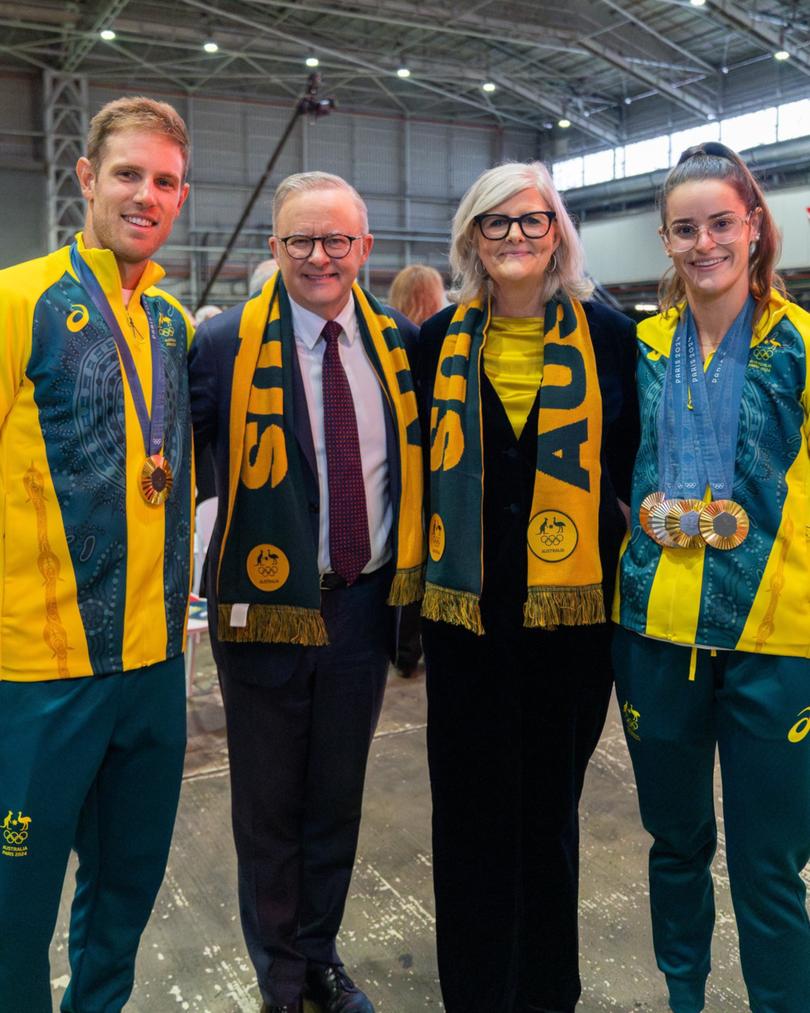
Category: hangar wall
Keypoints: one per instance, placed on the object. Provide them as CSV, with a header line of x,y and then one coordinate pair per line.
x,y
411,172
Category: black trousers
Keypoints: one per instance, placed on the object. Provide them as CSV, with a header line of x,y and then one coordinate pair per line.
x,y
513,718
298,755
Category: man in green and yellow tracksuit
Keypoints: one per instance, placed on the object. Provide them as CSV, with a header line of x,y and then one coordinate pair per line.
x,y
95,549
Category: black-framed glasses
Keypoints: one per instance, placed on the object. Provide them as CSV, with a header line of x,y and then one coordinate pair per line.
x,y
680,237
533,225
335,246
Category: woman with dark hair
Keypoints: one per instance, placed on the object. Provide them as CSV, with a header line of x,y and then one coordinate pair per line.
x,y
714,603
527,397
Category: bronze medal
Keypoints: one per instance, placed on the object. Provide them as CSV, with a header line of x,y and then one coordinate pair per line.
x,y
647,504
724,524
658,524
156,479
682,522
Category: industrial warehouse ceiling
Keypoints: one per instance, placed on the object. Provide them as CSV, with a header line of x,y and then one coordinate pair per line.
x,y
616,70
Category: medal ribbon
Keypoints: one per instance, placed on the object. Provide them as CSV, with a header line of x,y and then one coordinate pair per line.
x,y
700,410
152,425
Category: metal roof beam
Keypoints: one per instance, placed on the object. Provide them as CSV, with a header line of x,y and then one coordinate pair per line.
x,y
82,44
674,92
730,13
544,100
343,57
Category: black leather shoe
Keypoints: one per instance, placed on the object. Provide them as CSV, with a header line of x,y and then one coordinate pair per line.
x,y
333,990
294,1007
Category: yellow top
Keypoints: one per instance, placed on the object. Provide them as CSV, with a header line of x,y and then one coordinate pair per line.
x,y
513,361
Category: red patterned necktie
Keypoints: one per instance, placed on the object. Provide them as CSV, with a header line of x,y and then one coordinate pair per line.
x,y
349,546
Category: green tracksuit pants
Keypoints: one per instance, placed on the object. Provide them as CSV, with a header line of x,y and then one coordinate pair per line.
x,y
754,711
92,764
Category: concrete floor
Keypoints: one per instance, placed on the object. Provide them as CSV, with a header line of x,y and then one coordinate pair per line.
x,y
192,955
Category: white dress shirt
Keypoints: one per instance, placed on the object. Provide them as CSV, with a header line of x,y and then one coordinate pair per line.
x,y
369,410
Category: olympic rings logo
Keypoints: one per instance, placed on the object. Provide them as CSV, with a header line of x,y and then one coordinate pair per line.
x,y
15,836
267,571
551,540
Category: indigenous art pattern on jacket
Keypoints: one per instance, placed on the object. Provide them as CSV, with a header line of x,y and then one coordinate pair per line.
x,y
93,579
755,597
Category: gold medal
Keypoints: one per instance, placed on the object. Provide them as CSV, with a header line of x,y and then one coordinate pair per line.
x,y
682,522
658,524
156,479
647,504
724,524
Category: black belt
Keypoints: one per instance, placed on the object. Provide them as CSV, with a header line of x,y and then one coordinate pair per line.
x,y
334,582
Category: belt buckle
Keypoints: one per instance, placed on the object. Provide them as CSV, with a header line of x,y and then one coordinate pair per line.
x,y
330,581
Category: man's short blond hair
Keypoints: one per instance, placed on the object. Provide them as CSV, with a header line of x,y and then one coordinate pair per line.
x,y
136,113
301,181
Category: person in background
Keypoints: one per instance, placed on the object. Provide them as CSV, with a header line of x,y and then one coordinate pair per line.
x,y
261,272
205,313
417,292
95,445
713,652
306,396
528,404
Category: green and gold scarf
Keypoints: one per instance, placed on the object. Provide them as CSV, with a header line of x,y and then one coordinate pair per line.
x,y
565,571
267,581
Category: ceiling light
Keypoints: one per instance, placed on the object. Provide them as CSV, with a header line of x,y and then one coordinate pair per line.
x,y
312,61
697,3
403,72
646,307
781,54
488,86
107,34
210,46
564,122
627,100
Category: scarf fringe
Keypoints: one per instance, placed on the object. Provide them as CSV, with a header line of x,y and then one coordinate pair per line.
x,y
274,624
407,586
444,605
550,607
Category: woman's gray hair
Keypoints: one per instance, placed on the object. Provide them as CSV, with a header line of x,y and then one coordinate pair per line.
x,y
300,181
492,188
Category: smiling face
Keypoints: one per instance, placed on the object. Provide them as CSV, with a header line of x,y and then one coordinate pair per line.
x,y
321,283
517,262
712,270
133,197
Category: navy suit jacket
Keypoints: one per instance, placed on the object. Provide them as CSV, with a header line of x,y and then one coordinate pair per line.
x,y
211,360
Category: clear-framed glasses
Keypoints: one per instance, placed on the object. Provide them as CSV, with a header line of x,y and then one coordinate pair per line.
x,y
680,237
335,246
533,225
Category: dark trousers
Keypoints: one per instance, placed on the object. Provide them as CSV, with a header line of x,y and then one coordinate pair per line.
x,y
298,755
750,711
513,718
94,764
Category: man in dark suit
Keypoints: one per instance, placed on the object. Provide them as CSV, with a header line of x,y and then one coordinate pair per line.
x,y
305,395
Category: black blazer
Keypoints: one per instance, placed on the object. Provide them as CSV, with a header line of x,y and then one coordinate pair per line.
x,y
509,463
210,362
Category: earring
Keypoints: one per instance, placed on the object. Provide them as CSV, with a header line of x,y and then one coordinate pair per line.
x,y
479,269
552,264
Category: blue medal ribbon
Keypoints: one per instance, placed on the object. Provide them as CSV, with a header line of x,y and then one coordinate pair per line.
x,y
700,410
152,424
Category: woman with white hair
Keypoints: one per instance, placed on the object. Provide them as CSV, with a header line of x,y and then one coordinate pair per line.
x,y
528,403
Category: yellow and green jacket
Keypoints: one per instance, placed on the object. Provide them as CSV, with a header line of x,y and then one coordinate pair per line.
x,y
755,597
93,580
